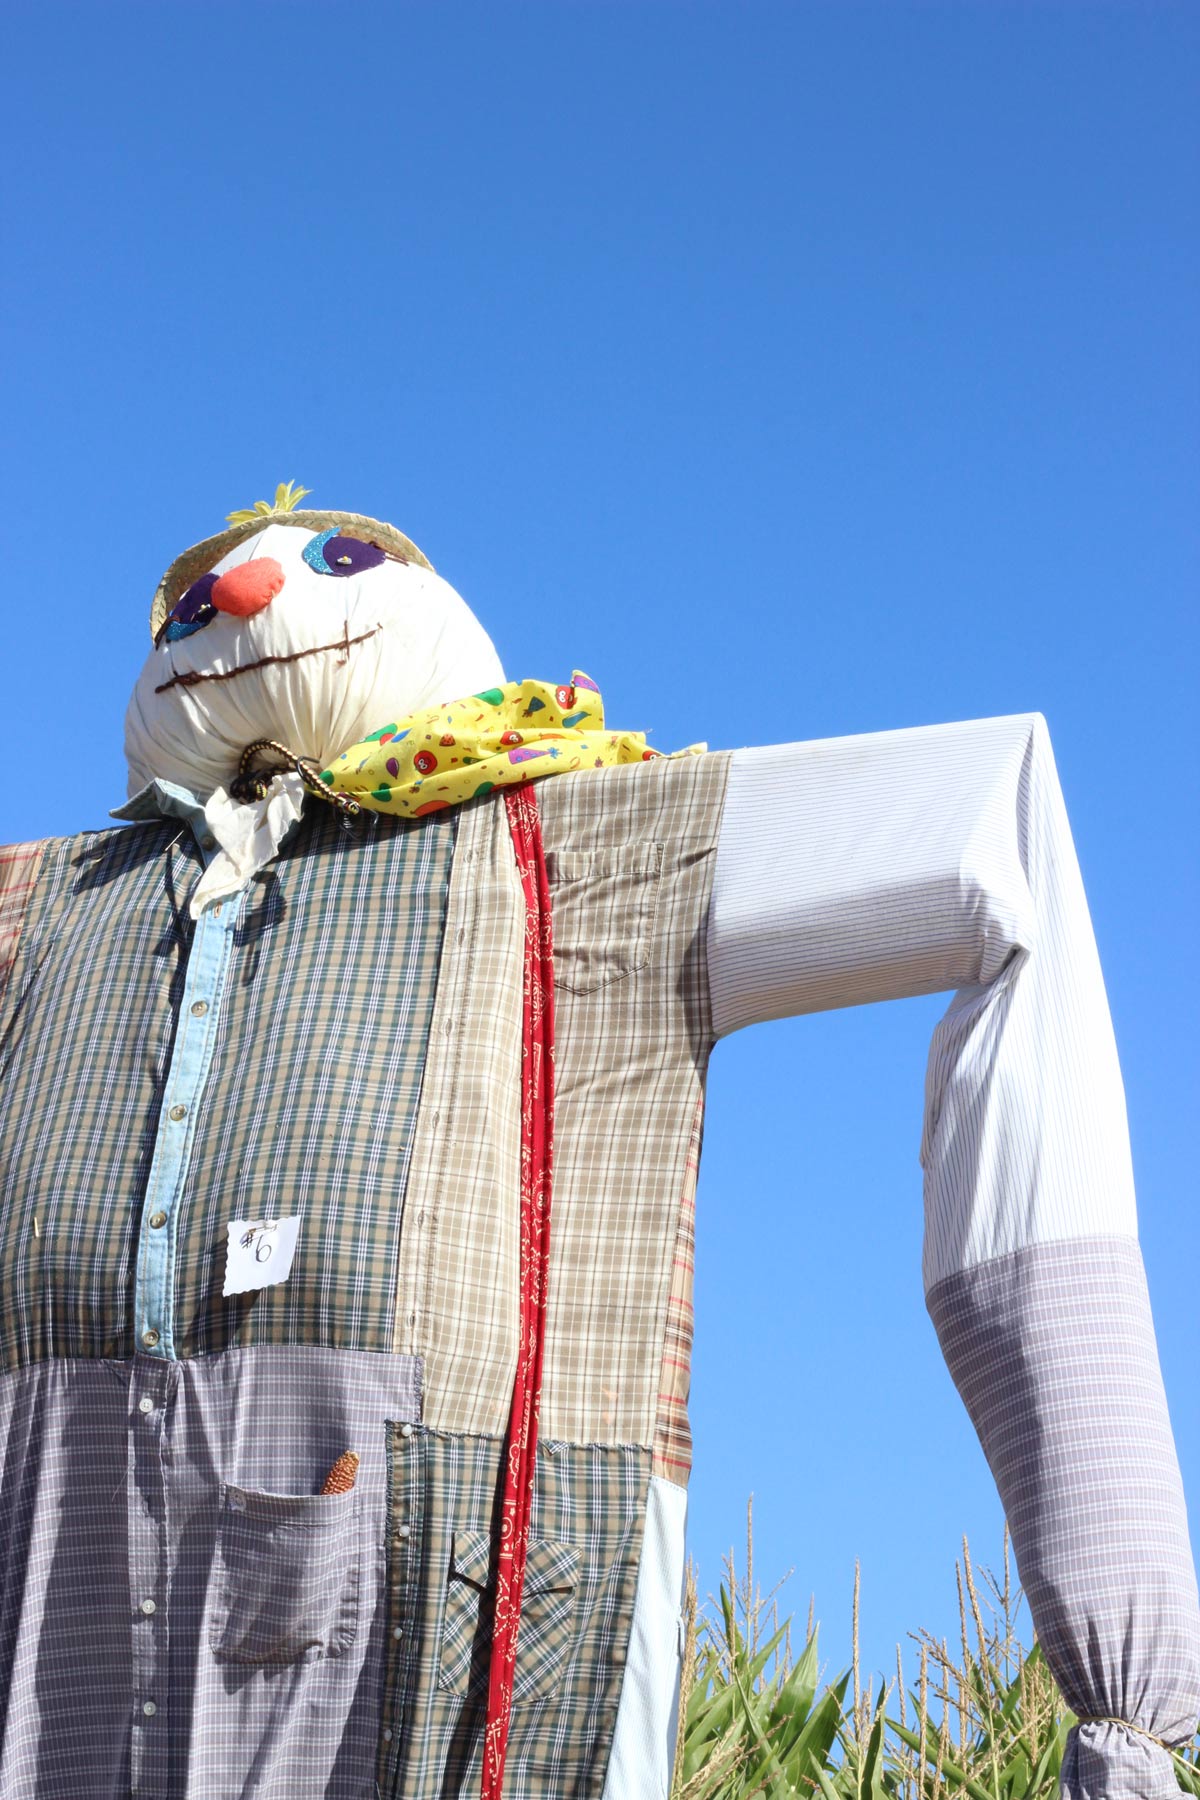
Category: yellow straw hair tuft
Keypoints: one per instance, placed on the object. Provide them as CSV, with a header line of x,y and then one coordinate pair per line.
x,y
287,498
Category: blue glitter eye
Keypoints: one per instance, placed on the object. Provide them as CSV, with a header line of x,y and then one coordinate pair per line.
x,y
192,611
330,554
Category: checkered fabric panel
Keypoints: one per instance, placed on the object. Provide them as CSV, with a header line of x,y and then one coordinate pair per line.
x,y
81,1085
167,1545
20,866
586,1536
629,853
308,1108
1052,1349
459,1279
672,1428
318,1066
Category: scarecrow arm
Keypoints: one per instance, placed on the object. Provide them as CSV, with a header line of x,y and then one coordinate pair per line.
x,y
907,862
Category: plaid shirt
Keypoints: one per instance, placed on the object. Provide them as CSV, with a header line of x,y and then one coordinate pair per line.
x,y
183,1614
337,1042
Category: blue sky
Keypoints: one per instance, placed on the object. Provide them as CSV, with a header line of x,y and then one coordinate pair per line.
x,y
795,370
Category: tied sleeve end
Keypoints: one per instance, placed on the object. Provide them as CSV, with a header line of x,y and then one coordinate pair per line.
x,y
1113,1759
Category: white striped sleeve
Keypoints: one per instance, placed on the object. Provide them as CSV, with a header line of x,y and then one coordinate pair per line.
x,y
907,862
910,862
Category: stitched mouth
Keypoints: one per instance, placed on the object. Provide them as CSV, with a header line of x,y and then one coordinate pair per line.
x,y
193,677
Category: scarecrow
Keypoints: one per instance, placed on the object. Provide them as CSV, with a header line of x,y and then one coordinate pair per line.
x,y
350,1116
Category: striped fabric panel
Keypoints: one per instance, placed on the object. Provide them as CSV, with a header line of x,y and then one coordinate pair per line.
x,y
907,862
629,853
643,1748
1052,1349
20,865
309,1106
672,1429
194,1486
586,1536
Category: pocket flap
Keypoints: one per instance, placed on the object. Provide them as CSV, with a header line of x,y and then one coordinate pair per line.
x,y
624,863
472,1556
549,1566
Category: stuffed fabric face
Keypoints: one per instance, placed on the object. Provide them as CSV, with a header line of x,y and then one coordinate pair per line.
x,y
309,638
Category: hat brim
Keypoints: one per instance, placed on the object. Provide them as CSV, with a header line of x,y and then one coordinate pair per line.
x,y
203,556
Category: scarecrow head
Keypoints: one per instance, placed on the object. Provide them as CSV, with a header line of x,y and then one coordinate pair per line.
x,y
299,626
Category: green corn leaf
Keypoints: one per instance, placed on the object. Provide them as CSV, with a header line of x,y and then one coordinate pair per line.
x,y
774,1782
950,1770
813,1749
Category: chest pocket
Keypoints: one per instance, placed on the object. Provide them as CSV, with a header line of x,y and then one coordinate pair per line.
x,y
547,1616
604,905
288,1577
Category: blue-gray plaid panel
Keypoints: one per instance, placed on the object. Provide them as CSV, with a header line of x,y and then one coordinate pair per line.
x,y
319,1050
585,1543
1052,1349
182,1615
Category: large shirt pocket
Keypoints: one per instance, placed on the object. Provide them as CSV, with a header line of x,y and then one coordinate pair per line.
x,y
547,1616
604,904
288,1576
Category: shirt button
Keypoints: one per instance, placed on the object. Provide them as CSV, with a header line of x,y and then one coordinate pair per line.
x,y
199,1008
149,1708
397,1631
178,1112
387,1734
403,1531
148,1607
145,1404
208,841
150,1337
406,1431
158,1220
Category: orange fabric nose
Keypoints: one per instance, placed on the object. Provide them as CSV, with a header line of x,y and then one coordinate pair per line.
x,y
245,590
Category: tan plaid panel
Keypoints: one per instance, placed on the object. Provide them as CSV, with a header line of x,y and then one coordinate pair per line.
x,y
630,1058
458,1277
630,853
20,866
672,1429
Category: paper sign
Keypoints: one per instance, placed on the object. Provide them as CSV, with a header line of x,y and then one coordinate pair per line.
x,y
259,1253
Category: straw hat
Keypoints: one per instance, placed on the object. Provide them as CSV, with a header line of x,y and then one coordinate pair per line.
x,y
282,511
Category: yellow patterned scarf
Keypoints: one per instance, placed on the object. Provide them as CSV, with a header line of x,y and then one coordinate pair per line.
x,y
444,755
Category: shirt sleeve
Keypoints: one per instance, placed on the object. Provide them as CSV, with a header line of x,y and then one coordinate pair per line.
x,y
907,862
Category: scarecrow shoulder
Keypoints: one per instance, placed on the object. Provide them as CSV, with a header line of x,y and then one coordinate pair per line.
x,y
20,868
72,871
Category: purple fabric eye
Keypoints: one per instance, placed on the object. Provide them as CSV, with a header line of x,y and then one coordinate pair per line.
x,y
187,607
191,612
350,556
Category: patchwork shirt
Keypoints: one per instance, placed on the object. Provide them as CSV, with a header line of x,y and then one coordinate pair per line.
x,y
183,1614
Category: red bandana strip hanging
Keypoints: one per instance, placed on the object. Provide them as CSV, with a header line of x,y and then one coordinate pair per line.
x,y
537,1135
